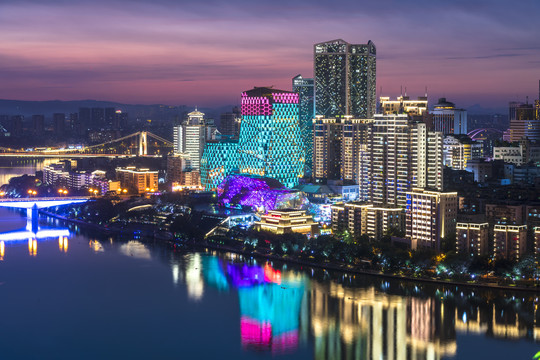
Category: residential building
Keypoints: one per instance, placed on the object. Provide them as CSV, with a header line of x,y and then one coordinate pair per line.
x,y
404,105
59,124
448,119
504,213
472,238
345,79
176,164
509,154
523,123
38,124
17,125
404,155
326,149
458,150
361,218
482,170
137,180
56,174
382,219
270,141
287,221
350,216
98,118
509,241
430,217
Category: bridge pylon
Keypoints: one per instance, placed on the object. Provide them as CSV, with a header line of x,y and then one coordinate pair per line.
x,y
143,143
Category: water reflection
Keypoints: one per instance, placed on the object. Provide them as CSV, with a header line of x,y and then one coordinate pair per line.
x,y
32,247
96,246
194,279
63,244
136,249
354,317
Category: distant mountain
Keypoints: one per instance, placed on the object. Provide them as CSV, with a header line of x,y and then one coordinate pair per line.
x,y
479,110
144,112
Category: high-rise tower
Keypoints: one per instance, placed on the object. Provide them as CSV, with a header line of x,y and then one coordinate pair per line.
x,y
345,79
304,87
270,140
190,137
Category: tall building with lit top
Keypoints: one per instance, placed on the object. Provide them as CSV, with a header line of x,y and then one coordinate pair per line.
x,y
190,137
270,139
304,87
345,79
448,119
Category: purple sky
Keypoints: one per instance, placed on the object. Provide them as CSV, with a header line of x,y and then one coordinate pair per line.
x,y
206,52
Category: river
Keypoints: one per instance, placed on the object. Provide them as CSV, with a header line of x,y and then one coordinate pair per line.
x,y
86,296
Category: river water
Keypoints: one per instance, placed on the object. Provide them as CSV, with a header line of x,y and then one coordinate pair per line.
x,y
85,296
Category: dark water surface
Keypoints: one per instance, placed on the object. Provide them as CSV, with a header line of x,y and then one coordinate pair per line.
x,y
85,296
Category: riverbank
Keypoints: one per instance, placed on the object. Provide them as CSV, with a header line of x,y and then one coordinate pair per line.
x,y
351,270
168,237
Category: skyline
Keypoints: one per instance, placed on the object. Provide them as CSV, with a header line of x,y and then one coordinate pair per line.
x,y
207,54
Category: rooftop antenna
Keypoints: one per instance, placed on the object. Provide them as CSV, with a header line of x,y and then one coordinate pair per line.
x,y
405,91
527,99
426,91
401,90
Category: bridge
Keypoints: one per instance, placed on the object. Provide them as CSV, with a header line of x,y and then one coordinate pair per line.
x,y
477,133
32,205
142,143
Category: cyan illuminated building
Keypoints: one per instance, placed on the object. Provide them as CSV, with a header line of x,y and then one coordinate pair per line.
x,y
270,140
220,158
345,79
304,87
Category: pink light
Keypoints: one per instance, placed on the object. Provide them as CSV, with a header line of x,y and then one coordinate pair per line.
x,y
254,333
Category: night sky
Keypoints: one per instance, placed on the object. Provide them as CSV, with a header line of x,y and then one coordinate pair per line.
x,y
205,52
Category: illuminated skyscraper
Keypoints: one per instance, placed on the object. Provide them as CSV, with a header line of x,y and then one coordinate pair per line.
x,y
341,151
345,79
270,140
190,137
306,112
403,155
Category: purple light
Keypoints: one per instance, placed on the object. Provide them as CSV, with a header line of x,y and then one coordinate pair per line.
x,y
252,191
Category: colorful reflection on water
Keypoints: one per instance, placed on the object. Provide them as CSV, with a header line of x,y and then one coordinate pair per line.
x,y
221,304
356,317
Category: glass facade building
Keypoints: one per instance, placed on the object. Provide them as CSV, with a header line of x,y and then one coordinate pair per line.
x,y
270,139
304,87
220,158
345,79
